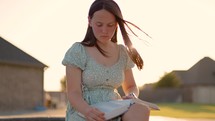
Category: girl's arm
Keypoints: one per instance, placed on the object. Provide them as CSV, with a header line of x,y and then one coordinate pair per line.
x,y
74,94
129,85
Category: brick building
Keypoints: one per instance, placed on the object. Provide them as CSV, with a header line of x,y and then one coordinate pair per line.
x,y
21,79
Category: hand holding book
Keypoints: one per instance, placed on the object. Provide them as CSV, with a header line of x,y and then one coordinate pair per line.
x,y
118,107
94,113
148,104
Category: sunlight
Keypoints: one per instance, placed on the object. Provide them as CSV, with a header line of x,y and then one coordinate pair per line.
x,y
46,29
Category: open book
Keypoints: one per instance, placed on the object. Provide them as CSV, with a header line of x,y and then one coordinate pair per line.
x,y
117,107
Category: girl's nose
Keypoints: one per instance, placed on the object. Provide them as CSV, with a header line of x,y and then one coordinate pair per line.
x,y
104,30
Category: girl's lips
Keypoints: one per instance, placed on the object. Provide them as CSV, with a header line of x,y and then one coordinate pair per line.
x,y
104,36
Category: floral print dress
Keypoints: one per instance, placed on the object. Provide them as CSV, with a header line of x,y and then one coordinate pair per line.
x,y
99,83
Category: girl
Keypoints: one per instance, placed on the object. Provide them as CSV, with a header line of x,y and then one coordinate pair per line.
x,y
97,66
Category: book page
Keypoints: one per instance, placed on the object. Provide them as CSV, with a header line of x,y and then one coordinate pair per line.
x,y
115,108
152,106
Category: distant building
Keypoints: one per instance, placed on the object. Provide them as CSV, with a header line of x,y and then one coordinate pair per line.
x,y
199,82
56,99
198,85
21,79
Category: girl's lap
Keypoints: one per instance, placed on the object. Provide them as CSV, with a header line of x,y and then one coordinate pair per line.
x,y
137,111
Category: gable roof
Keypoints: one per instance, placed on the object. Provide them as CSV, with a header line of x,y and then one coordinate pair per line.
x,y
203,72
10,54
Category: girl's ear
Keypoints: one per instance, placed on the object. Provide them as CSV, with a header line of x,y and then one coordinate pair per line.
x,y
89,21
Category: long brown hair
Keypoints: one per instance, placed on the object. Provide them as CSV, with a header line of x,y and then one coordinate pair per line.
x,y
112,7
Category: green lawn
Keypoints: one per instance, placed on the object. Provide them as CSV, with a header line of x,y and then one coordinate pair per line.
x,y
185,110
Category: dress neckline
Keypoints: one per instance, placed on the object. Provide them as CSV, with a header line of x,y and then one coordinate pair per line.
x,y
101,65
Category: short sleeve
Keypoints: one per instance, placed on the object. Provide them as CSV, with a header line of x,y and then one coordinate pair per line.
x,y
128,62
75,56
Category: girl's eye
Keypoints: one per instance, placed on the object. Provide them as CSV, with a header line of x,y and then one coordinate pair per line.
x,y
108,25
98,24
111,25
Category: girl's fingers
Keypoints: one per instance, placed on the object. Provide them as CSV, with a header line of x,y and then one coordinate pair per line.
x,y
127,97
99,114
95,115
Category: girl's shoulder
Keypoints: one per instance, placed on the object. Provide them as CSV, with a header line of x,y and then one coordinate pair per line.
x,y
75,55
122,48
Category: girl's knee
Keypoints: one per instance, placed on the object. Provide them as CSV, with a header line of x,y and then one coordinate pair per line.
x,y
139,111
142,108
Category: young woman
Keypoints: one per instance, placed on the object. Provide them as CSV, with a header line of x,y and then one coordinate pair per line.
x,y
97,66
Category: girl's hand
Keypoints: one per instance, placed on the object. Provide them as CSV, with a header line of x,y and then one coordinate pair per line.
x,y
93,114
130,96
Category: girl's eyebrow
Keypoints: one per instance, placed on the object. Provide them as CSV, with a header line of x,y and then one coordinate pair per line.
x,y
113,22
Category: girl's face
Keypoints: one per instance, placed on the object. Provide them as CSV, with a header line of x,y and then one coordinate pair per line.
x,y
104,25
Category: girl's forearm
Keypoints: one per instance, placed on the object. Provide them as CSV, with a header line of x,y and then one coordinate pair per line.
x,y
134,90
77,101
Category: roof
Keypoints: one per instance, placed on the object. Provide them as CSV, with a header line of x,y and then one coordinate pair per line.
x,y
180,74
202,73
10,54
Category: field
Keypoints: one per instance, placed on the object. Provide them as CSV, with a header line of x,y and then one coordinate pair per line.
x,y
185,110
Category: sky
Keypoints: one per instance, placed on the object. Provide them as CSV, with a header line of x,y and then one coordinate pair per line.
x,y
182,32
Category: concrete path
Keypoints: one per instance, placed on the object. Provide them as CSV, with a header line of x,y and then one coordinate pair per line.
x,y
160,118
61,113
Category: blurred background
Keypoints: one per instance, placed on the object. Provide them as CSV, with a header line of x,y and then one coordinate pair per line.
x,y
35,34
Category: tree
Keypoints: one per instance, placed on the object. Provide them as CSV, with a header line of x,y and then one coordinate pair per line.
x,y
63,84
169,80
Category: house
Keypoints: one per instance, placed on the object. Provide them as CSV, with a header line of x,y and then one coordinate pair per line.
x,y
198,85
198,82
21,79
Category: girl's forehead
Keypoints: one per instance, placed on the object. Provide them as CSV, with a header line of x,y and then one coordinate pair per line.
x,y
104,16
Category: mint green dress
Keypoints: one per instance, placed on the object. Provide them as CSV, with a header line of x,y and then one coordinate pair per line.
x,y
100,83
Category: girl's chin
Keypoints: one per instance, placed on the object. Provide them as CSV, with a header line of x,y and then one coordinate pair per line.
x,y
104,39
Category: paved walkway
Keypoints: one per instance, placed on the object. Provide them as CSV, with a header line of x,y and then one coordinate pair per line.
x,y
160,118
61,113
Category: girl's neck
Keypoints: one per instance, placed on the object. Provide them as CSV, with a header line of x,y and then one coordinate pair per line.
x,y
106,46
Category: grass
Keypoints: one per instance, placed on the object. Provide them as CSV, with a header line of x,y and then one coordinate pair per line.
x,y
185,110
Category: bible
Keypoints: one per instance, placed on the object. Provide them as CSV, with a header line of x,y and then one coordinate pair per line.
x,y
116,108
